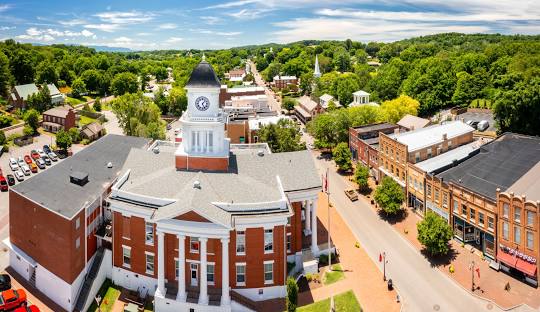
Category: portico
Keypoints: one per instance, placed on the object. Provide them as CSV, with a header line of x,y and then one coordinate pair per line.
x,y
200,232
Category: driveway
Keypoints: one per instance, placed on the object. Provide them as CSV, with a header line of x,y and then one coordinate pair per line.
x,y
421,287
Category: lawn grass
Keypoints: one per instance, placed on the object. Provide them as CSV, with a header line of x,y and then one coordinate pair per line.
x,y
74,101
335,275
344,302
85,120
109,293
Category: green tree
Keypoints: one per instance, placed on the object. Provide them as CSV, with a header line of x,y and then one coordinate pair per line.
x,y
389,196
177,101
361,176
161,101
4,74
284,136
342,156
97,105
161,73
395,109
346,85
434,233
469,87
75,134
518,109
288,103
292,295
2,138
46,73
31,118
342,60
5,120
22,66
138,116
78,88
63,139
124,83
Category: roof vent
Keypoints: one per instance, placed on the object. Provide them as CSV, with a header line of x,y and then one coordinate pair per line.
x,y
260,153
156,150
78,177
109,165
197,185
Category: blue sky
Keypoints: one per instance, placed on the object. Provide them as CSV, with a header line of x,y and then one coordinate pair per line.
x,y
206,24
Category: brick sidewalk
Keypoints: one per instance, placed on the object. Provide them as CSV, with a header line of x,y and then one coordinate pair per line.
x,y
361,274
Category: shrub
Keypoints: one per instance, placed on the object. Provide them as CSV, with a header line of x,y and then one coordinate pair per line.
x,y
292,295
323,259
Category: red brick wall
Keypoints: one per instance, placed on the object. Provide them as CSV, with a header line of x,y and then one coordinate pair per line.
x,y
201,163
47,237
70,120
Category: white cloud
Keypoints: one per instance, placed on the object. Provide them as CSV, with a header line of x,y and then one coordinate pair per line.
x,y
174,39
144,34
217,33
103,27
87,33
211,20
3,28
123,40
4,7
249,14
72,22
168,26
132,17
232,4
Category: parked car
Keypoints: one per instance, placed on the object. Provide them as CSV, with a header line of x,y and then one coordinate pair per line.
x,y
19,175
13,164
3,184
52,156
5,282
32,308
27,159
11,299
46,160
353,196
21,161
40,163
41,153
10,179
33,168
46,149
34,154
483,125
26,170
61,154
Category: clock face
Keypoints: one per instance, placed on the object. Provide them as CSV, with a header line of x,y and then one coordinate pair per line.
x,y
202,103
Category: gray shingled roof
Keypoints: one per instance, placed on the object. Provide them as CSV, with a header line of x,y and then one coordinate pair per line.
x,y
26,90
499,164
203,76
52,188
251,179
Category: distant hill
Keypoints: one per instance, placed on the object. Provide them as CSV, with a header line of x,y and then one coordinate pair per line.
x,y
109,49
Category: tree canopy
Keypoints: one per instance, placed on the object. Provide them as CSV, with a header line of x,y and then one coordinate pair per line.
x,y
139,116
284,136
389,196
342,156
434,233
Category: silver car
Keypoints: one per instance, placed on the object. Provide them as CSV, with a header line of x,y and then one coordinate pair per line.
x,y
21,161
19,175
26,170
52,156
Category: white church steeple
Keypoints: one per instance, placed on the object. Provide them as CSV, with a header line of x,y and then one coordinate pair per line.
x,y
317,72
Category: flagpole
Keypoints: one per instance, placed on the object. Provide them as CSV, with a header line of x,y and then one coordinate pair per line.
x,y
328,205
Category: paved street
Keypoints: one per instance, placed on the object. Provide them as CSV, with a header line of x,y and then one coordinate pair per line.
x,y
421,287
272,97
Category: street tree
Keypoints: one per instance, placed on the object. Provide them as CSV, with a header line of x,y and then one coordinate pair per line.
x,y
123,83
361,176
389,196
434,233
31,118
97,105
63,139
342,156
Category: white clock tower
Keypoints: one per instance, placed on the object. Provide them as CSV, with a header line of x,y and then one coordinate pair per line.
x,y
203,146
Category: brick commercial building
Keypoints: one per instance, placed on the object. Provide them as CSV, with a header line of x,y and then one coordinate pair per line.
x,y
59,117
226,94
281,82
53,218
364,144
399,148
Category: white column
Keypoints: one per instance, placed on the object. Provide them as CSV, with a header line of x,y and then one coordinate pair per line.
x,y
308,216
161,263
314,247
225,297
203,292
181,296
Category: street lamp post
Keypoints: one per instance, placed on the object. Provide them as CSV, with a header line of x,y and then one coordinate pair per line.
x,y
472,275
382,257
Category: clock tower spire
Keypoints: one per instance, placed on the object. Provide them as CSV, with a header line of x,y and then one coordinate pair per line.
x,y
204,145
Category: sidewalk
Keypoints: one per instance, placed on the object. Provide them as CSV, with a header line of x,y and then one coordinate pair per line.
x,y
361,274
491,282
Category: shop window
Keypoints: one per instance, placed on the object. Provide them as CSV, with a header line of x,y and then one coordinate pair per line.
x,y
517,214
517,235
530,240
505,230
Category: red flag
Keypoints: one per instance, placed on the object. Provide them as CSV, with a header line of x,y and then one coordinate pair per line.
x,y
380,257
478,271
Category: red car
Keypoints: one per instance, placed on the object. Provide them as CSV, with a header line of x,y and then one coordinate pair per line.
x,y
3,184
35,155
11,299
31,308
27,159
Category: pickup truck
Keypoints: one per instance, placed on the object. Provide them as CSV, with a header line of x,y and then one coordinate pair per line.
x,y
353,196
